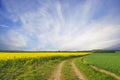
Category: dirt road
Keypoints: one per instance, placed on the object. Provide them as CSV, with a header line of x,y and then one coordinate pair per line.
x,y
56,75
77,72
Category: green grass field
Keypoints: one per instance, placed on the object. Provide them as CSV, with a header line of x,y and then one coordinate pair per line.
x,y
90,73
107,61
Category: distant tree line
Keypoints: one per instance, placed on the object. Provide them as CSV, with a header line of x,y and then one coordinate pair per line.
x,y
103,51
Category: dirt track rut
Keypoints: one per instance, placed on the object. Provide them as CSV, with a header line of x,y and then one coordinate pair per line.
x,y
105,71
56,75
77,72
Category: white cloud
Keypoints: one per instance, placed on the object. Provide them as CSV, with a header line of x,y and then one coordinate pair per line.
x,y
92,39
3,26
48,24
14,40
54,30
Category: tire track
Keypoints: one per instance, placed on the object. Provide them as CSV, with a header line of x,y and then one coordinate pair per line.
x,y
77,72
102,70
56,75
105,71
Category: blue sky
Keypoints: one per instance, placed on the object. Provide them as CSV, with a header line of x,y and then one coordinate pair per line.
x,y
50,25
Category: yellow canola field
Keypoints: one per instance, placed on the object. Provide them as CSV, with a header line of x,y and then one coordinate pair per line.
x,y
15,55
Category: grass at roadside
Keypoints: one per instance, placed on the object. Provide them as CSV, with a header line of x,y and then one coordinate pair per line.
x,y
67,72
91,73
27,69
41,73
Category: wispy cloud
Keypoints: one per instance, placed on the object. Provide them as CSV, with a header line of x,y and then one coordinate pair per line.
x,y
3,26
67,25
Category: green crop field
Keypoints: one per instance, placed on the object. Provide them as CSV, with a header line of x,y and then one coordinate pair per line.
x,y
107,61
90,73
